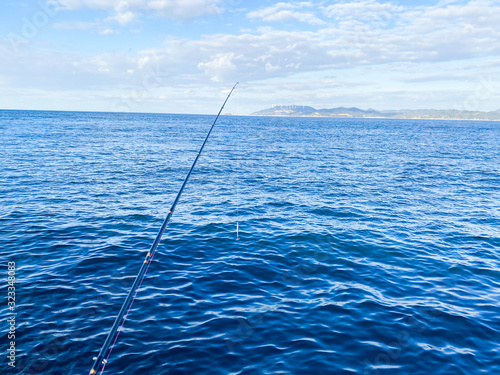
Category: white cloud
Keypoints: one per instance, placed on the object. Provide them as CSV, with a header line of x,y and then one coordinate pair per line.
x,y
271,68
124,11
124,18
366,10
219,66
107,32
142,62
184,9
454,31
282,12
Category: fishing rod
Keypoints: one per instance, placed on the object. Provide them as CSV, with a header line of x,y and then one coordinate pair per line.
x,y
100,360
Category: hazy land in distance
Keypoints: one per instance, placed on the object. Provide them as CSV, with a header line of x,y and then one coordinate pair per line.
x,y
353,112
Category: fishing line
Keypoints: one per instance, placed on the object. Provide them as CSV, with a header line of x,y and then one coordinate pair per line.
x,y
108,345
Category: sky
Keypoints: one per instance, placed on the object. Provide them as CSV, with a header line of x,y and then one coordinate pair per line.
x,y
183,56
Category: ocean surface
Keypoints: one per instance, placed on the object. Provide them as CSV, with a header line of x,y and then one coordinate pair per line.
x,y
365,246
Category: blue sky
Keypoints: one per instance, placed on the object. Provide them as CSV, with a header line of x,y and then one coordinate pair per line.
x,y
182,56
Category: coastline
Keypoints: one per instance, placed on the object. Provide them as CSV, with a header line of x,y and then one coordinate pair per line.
x,y
403,114
376,118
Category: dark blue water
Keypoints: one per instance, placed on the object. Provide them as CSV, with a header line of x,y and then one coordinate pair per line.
x,y
365,246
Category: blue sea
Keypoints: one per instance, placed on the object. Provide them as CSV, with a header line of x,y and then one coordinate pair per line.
x,y
364,246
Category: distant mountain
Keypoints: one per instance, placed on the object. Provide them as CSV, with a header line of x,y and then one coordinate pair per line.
x,y
353,112
290,110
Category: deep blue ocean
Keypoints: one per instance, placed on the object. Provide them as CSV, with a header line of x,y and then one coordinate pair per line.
x,y
366,246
